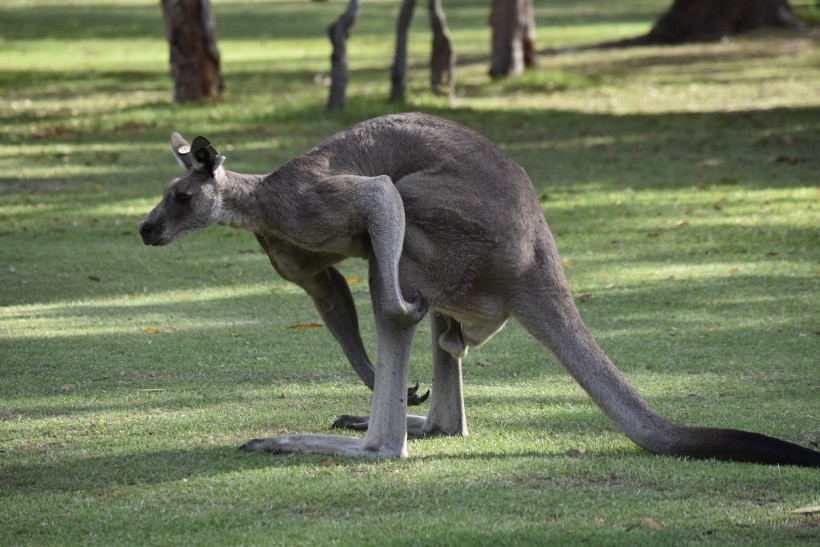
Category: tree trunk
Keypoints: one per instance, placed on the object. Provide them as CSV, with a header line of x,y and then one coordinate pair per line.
x,y
339,32
191,32
398,75
442,58
693,20
513,37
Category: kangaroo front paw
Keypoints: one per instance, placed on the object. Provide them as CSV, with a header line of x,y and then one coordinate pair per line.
x,y
413,397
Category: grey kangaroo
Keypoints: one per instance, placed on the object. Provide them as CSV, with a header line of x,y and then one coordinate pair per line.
x,y
448,223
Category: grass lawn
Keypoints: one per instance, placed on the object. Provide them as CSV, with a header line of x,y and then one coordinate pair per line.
x,y
681,185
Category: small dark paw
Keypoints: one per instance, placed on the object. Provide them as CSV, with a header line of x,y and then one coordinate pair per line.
x,y
413,397
261,445
347,421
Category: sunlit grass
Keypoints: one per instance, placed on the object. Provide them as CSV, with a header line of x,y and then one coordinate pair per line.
x,y
680,183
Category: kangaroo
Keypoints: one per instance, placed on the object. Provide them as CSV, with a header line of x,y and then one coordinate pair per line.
x,y
449,225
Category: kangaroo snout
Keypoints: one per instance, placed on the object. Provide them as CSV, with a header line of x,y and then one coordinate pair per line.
x,y
150,232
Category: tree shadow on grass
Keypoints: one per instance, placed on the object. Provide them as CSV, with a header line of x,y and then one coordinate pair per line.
x,y
764,148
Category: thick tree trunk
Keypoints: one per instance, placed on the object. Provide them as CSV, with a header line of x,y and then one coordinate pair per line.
x,y
191,32
513,37
339,32
705,20
398,75
443,57
692,20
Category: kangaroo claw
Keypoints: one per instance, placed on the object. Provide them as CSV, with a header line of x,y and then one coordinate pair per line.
x,y
413,397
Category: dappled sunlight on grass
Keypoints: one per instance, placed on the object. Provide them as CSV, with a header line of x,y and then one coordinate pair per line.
x,y
681,186
130,313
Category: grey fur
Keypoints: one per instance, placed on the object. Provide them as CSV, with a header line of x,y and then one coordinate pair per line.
x,y
450,223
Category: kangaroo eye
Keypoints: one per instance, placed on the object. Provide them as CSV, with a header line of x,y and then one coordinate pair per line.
x,y
182,197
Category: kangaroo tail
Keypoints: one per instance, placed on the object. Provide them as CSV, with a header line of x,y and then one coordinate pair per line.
x,y
555,322
741,446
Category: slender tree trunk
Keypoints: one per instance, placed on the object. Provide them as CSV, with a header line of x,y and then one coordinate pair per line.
x,y
442,58
339,32
528,34
398,75
191,32
513,37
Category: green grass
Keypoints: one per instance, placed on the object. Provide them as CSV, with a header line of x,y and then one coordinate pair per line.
x,y
681,185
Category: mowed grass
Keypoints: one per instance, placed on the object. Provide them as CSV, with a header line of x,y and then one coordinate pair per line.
x,y
680,183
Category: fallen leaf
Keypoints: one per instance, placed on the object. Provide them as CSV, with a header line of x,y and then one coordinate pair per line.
x,y
483,363
575,452
710,162
151,330
330,463
305,326
807,510
585,297
649,522
734,270
682,223
566,263
353,280
94,278
65,388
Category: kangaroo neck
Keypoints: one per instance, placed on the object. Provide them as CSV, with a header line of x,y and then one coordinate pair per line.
x,y
238,194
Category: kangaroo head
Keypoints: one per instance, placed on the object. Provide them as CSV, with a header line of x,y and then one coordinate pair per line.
x,y
191,202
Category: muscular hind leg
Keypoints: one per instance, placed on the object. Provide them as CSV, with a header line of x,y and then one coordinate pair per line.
x,y
446,415
387,434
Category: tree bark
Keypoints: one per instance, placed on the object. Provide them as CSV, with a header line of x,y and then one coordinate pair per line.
x,y
442,58
339,32
694,20
191,31
513,37
398,74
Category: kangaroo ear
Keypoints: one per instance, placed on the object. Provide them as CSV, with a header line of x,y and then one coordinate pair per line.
x,y
205,156
182,151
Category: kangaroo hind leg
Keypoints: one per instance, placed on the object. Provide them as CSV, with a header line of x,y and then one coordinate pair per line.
x,y
387,431
446,415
